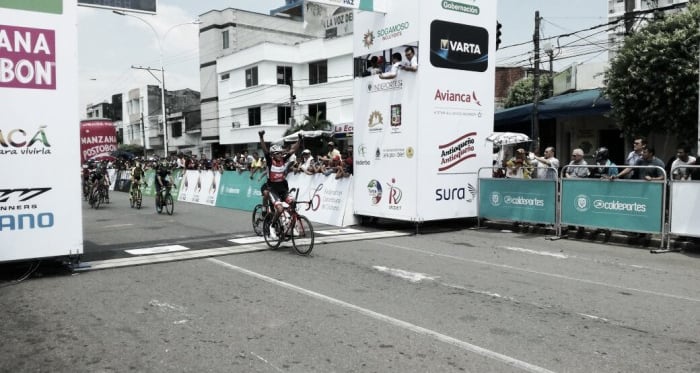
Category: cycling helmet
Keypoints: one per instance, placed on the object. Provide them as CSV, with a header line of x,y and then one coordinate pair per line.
x,y
602,154
276,149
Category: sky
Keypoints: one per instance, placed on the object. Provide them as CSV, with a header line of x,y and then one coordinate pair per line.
x,y
110,44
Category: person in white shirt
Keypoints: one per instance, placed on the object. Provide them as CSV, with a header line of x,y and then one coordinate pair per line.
x,y
547,165
412,60
683,157
395,66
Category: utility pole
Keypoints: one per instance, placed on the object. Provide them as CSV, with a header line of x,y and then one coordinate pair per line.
x,y
536,85
291,101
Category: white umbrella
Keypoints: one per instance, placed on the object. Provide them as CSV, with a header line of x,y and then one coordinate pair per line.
x,y
507,138
295,135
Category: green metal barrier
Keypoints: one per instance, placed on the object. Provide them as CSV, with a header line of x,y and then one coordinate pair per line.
x,y
531,201
149,177
238,191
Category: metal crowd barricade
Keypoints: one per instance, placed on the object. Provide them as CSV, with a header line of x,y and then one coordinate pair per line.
x,y
518,200
614,204
684,203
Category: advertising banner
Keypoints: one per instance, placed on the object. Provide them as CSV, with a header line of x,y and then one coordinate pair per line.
x,y
532,201
40,216
199,186
98,139
238,191
420,136
635,206
685,212
329,196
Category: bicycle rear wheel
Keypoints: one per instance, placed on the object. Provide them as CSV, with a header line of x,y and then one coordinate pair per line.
x,y
169,204
272,232
258,217
97,199
303,236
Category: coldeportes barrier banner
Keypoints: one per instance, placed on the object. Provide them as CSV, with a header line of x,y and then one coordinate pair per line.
x,y
635,206
40,216
238,191
685,212
532,201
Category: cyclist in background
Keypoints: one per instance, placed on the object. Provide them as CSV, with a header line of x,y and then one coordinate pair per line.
x,y
276,158
136,175
99,177
163,177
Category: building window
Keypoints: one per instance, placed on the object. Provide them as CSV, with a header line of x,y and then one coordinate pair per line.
x,y
254,116
283,114
251,77
225,76
318,72
284,75
316,108
176,129
225,39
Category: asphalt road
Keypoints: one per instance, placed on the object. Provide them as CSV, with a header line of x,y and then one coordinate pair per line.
x,y
449,300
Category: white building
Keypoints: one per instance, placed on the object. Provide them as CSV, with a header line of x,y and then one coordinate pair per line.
x,y
224,32
254,88
142,118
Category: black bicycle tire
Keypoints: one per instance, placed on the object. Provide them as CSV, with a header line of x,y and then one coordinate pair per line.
x,y
169,201
257,219
271,242
159,205
304,228
98,200
139,199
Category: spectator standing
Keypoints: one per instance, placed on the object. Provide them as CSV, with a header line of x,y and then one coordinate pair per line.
x,y
256,165
332,151
683,158
411,60
395,67
577,160
519,166
547,165
606,168
638,147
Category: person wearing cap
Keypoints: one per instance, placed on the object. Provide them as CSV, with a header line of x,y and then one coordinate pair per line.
x,y
306,164
577,160
519,166
332,151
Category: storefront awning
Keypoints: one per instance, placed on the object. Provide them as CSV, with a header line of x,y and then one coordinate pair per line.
x,y
576,104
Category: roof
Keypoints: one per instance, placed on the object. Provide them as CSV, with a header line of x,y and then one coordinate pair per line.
x,y
576,104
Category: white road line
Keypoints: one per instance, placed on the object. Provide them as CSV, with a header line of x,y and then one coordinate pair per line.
x,y
528,251
157,250
542,273
117,226
519,364
406,275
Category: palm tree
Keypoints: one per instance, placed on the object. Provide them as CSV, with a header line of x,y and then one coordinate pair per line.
x,y
311,124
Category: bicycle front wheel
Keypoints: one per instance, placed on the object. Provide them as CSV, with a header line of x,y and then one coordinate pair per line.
x,y
258,217
272,232
303,236
169,204
97,197
159,205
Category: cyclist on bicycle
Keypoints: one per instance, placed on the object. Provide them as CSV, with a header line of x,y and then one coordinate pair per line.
x,y
136,174
277,158
163,178
99,178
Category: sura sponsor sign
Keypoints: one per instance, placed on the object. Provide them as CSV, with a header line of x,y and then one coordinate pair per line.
x,y
27,57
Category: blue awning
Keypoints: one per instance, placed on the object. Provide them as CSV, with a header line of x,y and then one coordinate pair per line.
x,y
577,104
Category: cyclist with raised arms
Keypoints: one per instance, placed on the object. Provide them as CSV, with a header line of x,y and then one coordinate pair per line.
x,y
277,157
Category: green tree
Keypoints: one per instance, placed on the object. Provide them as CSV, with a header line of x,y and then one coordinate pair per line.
x,y
521,92
653,80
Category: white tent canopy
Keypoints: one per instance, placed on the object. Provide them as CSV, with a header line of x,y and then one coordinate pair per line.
x,y
293,137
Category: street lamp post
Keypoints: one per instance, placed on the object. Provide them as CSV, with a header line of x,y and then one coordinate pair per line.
x,y
160,40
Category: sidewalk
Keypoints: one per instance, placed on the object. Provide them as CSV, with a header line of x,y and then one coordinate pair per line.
x,y
652,241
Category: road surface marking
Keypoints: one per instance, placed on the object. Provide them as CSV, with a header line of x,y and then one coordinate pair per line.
x,y
591,282
406,275
390,320
528,251
157,250
332,232
247,240
117,226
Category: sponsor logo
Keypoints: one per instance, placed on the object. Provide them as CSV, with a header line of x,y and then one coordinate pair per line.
x,y
18,141
396,118
394,153
523,201
495,199
375,122
392,31
459,7
28,58
460,97
385,86
458,46
368,39
460,194
395,195
44,6
410,152
375,191
457,151
583,204
21,200
378,154
362,153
